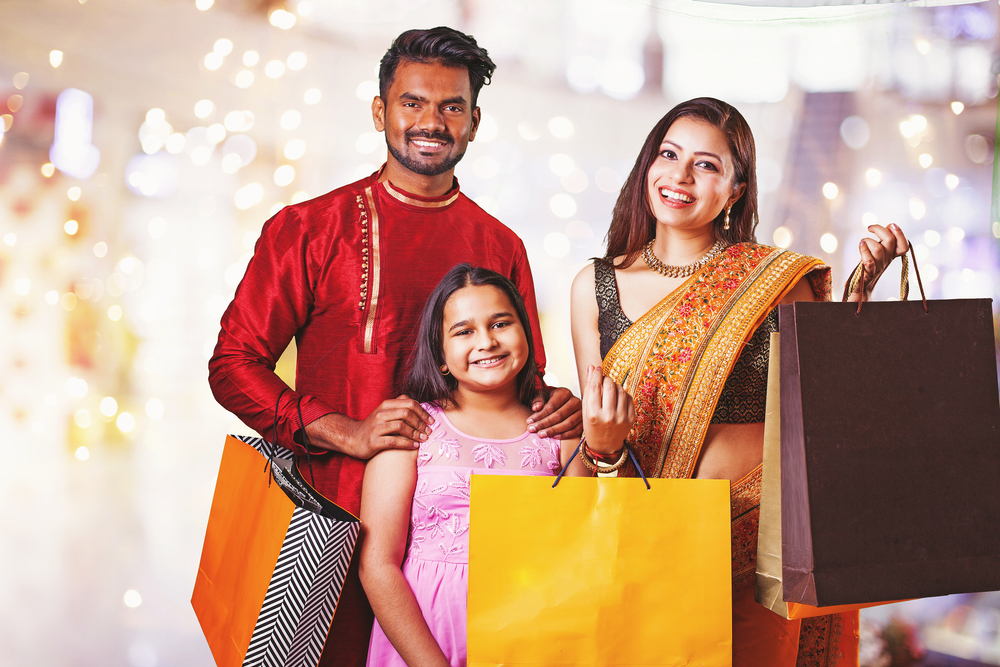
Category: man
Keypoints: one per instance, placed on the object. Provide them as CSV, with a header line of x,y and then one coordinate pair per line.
x,y
347,275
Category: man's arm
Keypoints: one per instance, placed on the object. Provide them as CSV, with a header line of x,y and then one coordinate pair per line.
x,y
272,302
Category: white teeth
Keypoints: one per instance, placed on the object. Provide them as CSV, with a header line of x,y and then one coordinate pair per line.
x,y
677,196
426,144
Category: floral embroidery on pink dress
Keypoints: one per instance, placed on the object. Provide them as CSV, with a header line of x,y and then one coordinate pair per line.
x,y
437,559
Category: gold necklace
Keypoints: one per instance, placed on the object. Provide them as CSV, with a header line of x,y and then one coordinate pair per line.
x,y
653,262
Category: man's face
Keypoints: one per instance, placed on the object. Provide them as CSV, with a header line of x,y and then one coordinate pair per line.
x,y
427,116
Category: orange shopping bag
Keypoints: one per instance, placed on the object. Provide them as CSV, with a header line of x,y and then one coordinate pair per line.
x,y
273,565
599,571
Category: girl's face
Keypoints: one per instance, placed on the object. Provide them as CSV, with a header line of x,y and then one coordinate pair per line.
x,y
691,180
485,345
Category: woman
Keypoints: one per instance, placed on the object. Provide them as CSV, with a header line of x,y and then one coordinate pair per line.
x,y
679,313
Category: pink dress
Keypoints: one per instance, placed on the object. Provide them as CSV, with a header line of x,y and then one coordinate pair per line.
x,y
437,558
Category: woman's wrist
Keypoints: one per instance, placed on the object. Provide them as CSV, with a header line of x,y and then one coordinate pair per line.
x,y
602,462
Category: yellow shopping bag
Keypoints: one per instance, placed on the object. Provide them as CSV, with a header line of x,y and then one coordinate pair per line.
x,y
599,572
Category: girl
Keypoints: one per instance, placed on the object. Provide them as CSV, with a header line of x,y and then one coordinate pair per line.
x,y
474,370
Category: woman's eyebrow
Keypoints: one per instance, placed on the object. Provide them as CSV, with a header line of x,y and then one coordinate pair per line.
x,y
679,147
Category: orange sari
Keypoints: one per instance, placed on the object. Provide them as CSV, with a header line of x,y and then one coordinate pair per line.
x,y
674,362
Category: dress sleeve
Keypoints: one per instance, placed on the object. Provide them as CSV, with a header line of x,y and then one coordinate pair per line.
x,y
272,302
521,275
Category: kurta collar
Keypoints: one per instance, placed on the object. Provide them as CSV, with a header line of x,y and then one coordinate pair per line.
x,y
445,200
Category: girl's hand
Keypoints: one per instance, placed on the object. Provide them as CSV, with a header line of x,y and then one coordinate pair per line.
x,y
877,255
608,412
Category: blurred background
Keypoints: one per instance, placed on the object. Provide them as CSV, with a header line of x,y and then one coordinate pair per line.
x,y
145,142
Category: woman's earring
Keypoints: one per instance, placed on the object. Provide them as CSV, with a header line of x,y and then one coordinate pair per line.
x,y
726,225
444,370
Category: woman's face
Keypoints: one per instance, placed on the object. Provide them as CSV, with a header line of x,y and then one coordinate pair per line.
x,y
691,179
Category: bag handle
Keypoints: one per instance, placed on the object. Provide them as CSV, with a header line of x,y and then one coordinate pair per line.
x,y
577,451
857,281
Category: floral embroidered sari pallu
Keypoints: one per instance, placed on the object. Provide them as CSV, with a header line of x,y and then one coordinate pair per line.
x,y
674,361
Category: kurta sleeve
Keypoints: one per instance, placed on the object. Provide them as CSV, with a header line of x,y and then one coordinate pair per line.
x,y
272,302
521,276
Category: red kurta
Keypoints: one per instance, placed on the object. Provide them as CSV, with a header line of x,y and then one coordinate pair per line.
x,y
347,274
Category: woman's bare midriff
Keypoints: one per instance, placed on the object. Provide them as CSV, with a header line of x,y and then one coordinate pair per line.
x,y
730,451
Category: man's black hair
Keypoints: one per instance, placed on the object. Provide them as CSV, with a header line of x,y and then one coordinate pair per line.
x,y
442,44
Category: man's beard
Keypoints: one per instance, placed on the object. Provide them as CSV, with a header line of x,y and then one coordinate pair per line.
x,y
420,167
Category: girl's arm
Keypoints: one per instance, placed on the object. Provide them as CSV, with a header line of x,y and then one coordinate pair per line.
x,y
387,492
576,467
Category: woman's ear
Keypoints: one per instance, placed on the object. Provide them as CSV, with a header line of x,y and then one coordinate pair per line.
x,y
738,190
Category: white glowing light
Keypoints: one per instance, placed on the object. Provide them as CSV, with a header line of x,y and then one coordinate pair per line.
x,y
76,387
561,128
622,78
248,195
47,169
921,251
223,47
528,131
281,19
556,244
114,313
563,205
296,61
608,179
930,273
71,227
241,145
156,116
957,107
313,95
932,238
132,598
234,121
917,208
216,133
204,4
251,58
109,406
244,79
782,237
22,286
72,152
201,155
951,181
828,242
295,149
869,219
830,190
10,239
923,46
55,58
231,163
366,90
213,61
175,143
956,234
873,176
125,422
925,160
290,119
52,297
101,248
284,175
204,108
561,164
274,69
300,197
82,453
154,408
369,142
82,418
74,193
906,129
305,8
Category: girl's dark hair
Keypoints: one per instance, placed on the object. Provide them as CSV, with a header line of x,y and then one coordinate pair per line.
x,y
442,44
424,381
632,221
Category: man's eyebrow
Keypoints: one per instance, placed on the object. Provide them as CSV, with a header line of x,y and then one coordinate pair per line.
x,y
678,146
418,98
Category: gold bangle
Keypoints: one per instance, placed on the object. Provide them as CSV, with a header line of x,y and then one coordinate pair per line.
x,y
591,464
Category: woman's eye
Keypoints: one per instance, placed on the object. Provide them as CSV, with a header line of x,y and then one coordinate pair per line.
x,y
669,154
708,165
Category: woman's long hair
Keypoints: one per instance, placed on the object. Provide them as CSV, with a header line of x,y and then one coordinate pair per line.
x,y
632,221
424,381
